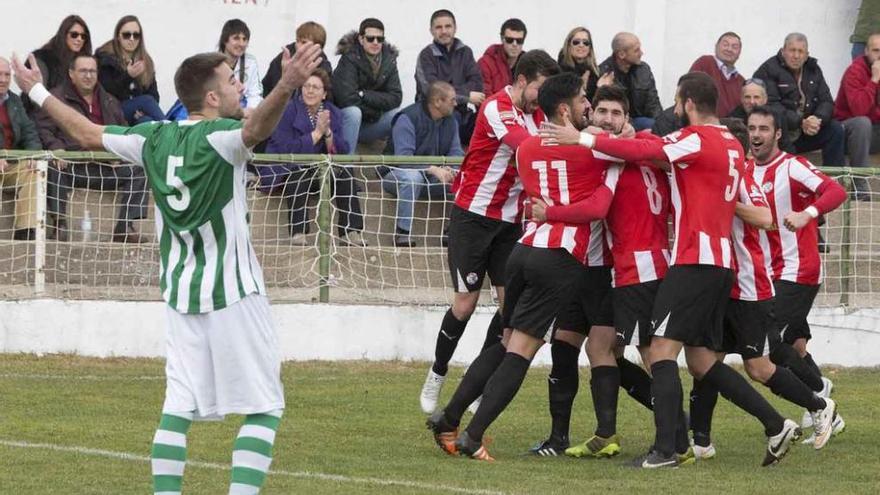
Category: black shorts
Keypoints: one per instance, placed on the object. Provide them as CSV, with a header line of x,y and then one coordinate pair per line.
x,y
633,306
690,305
749,328
589,302
537,279
793,303
478,244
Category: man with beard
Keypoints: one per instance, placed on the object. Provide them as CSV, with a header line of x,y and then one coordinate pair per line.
x,y
542,268
488,206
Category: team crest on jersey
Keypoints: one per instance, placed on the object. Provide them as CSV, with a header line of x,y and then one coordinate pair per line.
x,y
756,193
727,135
471,278
767,187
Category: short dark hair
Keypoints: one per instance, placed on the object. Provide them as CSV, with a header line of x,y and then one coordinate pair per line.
x,y
230,28
312,31
729,33
78,56
701,90
767,112
611,92
193,77
438,89
561,88
442,13
738,129
370,22
514,24
535,63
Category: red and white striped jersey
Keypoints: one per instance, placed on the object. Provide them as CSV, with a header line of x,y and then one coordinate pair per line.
x,y
753,281
562,175
487,183
637,224
707,166
789,182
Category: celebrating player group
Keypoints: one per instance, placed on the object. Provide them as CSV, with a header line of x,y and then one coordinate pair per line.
x,y
591,202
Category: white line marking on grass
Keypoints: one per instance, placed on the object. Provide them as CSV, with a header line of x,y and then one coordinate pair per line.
x,y
126,456
34,376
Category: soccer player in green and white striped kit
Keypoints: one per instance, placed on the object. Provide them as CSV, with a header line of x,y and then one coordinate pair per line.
x,y
222,355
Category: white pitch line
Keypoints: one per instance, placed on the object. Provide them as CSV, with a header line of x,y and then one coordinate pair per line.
x,y
35,376
126,456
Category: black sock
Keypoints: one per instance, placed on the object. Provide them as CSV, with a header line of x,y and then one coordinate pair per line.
x,y
784,354
808,358
604,383
784,384
704,396
562,386
736,389
495,331
473,382
500,390
447,340
636,381
666,389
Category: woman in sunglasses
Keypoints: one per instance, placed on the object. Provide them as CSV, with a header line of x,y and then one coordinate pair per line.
x,y
54,57
126,71
234,40
577,56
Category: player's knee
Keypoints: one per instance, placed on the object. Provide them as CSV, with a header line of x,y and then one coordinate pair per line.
x,y
464,305
759,369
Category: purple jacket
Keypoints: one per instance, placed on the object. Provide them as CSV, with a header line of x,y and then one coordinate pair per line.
x,y
294,135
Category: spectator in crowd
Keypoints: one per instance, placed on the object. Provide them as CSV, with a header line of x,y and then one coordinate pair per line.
x,y
448,59
366,85
797,90
311,124
625,67
754,94
53,58
577,55
866,24
83,93
126,71
17,132
425,128
721,67
496,64
307,31
234,40
857,107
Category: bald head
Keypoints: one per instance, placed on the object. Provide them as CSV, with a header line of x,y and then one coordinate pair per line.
x,y
753,94
622,41
5,76
627,50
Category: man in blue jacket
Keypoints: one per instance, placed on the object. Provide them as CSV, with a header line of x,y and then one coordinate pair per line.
x,y
425,128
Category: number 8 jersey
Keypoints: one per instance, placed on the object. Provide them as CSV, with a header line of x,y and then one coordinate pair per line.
x,y
196,171
707,166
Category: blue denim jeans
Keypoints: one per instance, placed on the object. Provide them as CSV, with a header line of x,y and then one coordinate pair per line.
x,y
355,133
641,123
147,106
409,185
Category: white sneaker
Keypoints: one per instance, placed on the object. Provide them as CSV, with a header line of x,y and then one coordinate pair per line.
x,y
823,423
475,405
827,387
807,420
704,453
837,427
431,391
778,445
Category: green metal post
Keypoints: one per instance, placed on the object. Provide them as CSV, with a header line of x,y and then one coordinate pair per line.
x,y
846,268
325,223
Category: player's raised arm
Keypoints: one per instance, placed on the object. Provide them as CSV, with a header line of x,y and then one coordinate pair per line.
x,y
86,132
294,72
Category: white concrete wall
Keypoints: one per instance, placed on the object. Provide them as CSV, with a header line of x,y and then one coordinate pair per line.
x,y
336,332
673,32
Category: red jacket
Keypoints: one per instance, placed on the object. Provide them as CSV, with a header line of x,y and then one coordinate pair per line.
x,y
857,96
496,73
729,90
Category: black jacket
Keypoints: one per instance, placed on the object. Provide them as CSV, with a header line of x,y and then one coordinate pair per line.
x,y
354,73
24,132
116,81
639,85
666,123
456,66
580,69
783,94
273,75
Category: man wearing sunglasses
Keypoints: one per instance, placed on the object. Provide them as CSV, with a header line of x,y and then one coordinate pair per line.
x,y
366,84
625,68
496,64
448,59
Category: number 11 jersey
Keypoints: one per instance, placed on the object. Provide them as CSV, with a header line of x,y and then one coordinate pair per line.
x,y
196,171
